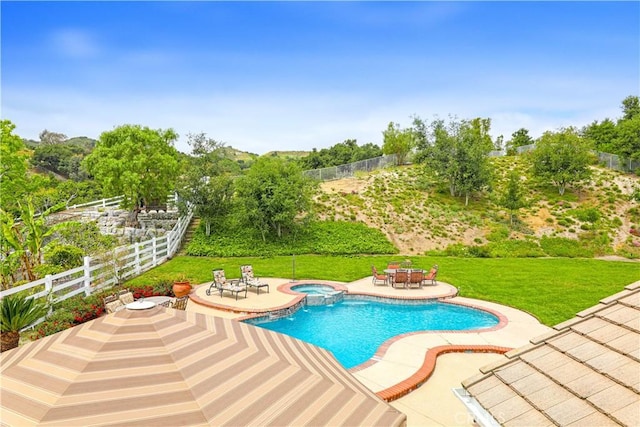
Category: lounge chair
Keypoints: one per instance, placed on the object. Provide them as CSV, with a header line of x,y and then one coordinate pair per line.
x,y
431,277
250,280
112,304
416,277
221,284
379,278
400,278
126,296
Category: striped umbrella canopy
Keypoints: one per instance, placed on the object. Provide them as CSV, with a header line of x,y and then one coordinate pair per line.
x,y
171,367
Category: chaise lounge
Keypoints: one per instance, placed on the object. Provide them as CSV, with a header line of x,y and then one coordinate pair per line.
x,y
221,284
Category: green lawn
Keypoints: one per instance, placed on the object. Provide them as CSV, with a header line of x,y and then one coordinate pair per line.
x,y
552,289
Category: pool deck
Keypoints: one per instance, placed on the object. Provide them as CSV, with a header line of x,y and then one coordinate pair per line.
x,y
399,371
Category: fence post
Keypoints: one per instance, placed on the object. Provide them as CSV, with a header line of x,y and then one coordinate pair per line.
x,y
169,254
154,251
87,275
48,286
136,249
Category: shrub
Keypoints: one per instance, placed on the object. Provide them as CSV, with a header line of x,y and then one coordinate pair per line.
x,y
563,247
587,215
66,256
514,249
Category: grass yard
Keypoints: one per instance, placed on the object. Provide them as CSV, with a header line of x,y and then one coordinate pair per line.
x,y
552,289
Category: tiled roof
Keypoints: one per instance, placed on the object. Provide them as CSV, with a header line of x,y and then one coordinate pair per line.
x,y
584,373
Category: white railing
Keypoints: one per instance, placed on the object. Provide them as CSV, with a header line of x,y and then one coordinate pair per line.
x,y
108,269
113,201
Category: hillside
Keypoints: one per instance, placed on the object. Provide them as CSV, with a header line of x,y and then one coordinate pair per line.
x,y
418,216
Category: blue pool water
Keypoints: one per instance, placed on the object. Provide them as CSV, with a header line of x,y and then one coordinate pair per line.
x,y
314,289
353,329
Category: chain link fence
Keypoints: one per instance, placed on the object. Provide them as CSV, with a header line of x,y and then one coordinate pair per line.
x,y
607,160
350,169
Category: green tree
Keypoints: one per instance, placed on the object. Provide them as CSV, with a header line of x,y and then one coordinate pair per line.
x,y
458,152
518,139
13,167
601,135
25,239
512,198
274,195
137,162
398,141
207,183
561,157
627,141
16,313
630,107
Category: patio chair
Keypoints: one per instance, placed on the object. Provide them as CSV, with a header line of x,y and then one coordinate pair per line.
x,y
112,304
126,296
250,280
221,284
431,277
180,303
166,304
394,265
400,278
416,277
379,278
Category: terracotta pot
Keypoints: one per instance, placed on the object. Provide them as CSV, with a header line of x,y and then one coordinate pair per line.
x,y
181,289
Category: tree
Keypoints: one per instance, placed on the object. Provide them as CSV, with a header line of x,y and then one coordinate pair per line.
x,y
627,141
47,137
518,139
512,199
16,313
561,157
458,152
207,183
274,195
137,162
601,135
397,141
13,167
630,107
24,240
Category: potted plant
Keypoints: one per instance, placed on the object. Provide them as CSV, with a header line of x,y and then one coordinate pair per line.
x,y
181,286
16,313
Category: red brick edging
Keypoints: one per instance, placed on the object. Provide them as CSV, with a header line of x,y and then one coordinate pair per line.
x,y
428,366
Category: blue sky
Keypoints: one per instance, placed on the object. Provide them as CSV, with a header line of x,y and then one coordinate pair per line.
x,y
262,76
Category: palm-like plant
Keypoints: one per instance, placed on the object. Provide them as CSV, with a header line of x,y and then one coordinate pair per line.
x,y
16,313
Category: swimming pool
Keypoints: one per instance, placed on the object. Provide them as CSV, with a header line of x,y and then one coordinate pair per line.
x,y
355,328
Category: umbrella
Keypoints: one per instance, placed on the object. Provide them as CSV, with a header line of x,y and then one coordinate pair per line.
x,y
171,367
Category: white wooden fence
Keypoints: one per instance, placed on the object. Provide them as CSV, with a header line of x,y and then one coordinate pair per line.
x,y
106,270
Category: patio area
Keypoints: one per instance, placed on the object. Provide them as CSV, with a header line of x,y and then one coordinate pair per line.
x,y
403,371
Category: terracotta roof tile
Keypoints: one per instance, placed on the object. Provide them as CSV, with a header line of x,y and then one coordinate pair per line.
x,y
532,383
589,384
596,419
510,409
496,395
587,326
620,315
570,411
550,361
514,372
482,386
549,396
608,332
585,373
629,415
626,343
568,371
532,418
632,300
611,399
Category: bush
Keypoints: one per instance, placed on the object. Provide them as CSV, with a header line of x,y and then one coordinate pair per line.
x,y
563,247
65,256
321,237
587,215
514,249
